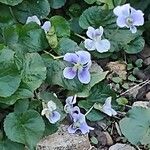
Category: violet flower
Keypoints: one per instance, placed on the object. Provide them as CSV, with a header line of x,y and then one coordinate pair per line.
x,y
50,112
46,26
79,122
95,41
107,109
70,101
129,17
80,63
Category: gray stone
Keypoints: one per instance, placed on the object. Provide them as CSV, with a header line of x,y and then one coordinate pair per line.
x,y
62,140
119,146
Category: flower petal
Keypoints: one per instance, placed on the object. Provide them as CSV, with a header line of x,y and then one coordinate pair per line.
x,y
123,10
71,129
54,117
44,111
85,128
69,73
33,19
71,57
137,16
90,32
102,45
121,22
51,106
84,76
84,57
71,100
89,44
133,29
46,26
99,32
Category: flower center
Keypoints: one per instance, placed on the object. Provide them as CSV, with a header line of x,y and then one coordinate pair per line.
x,y
129,21
78,66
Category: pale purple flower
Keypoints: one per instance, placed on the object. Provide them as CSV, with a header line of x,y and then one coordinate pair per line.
x,y
80,63
107,109
50,112
70,101
129,17
95,41
79,123
46,26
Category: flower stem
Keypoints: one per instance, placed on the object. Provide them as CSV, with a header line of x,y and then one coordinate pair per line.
x,y
89,110
82,37
54,57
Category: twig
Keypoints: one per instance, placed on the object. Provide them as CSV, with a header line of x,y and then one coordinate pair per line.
x,y
54,57
82,37
140,84
89,110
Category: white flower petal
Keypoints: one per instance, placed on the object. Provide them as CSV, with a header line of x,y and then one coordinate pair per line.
x,y
133,29
91,32
89,44
33,19
44,111
102,45
51,106
46,26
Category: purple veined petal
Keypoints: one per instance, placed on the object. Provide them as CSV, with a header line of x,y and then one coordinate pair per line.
x,y
133,29
75,111
84,76
69,72
46,26
54,117
71,57
121,22
84,57
123,10
85,128
33,19
99,32
89,44
107,111
102,46
72,129
137,16
90,32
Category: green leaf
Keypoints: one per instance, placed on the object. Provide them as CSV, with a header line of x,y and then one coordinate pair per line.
x,y
55,74
21,106
135,46
100,92
94,115
34,71
97,75
90,1
139,62
11,2
95,17
8,144
66,45
57,3
135,127
61,26
9,74
40,8
29,38
26,128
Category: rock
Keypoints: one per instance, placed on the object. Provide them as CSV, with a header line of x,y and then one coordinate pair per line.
x,y
144,104
145,52
62,140
104,138
119,146
147,61
148,96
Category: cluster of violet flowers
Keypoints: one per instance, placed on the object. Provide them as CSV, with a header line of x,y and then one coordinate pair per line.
x,y
80,62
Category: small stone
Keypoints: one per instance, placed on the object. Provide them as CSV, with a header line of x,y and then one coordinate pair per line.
x,y
62,140
119,146
145,52
148,96
147,61
144,104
